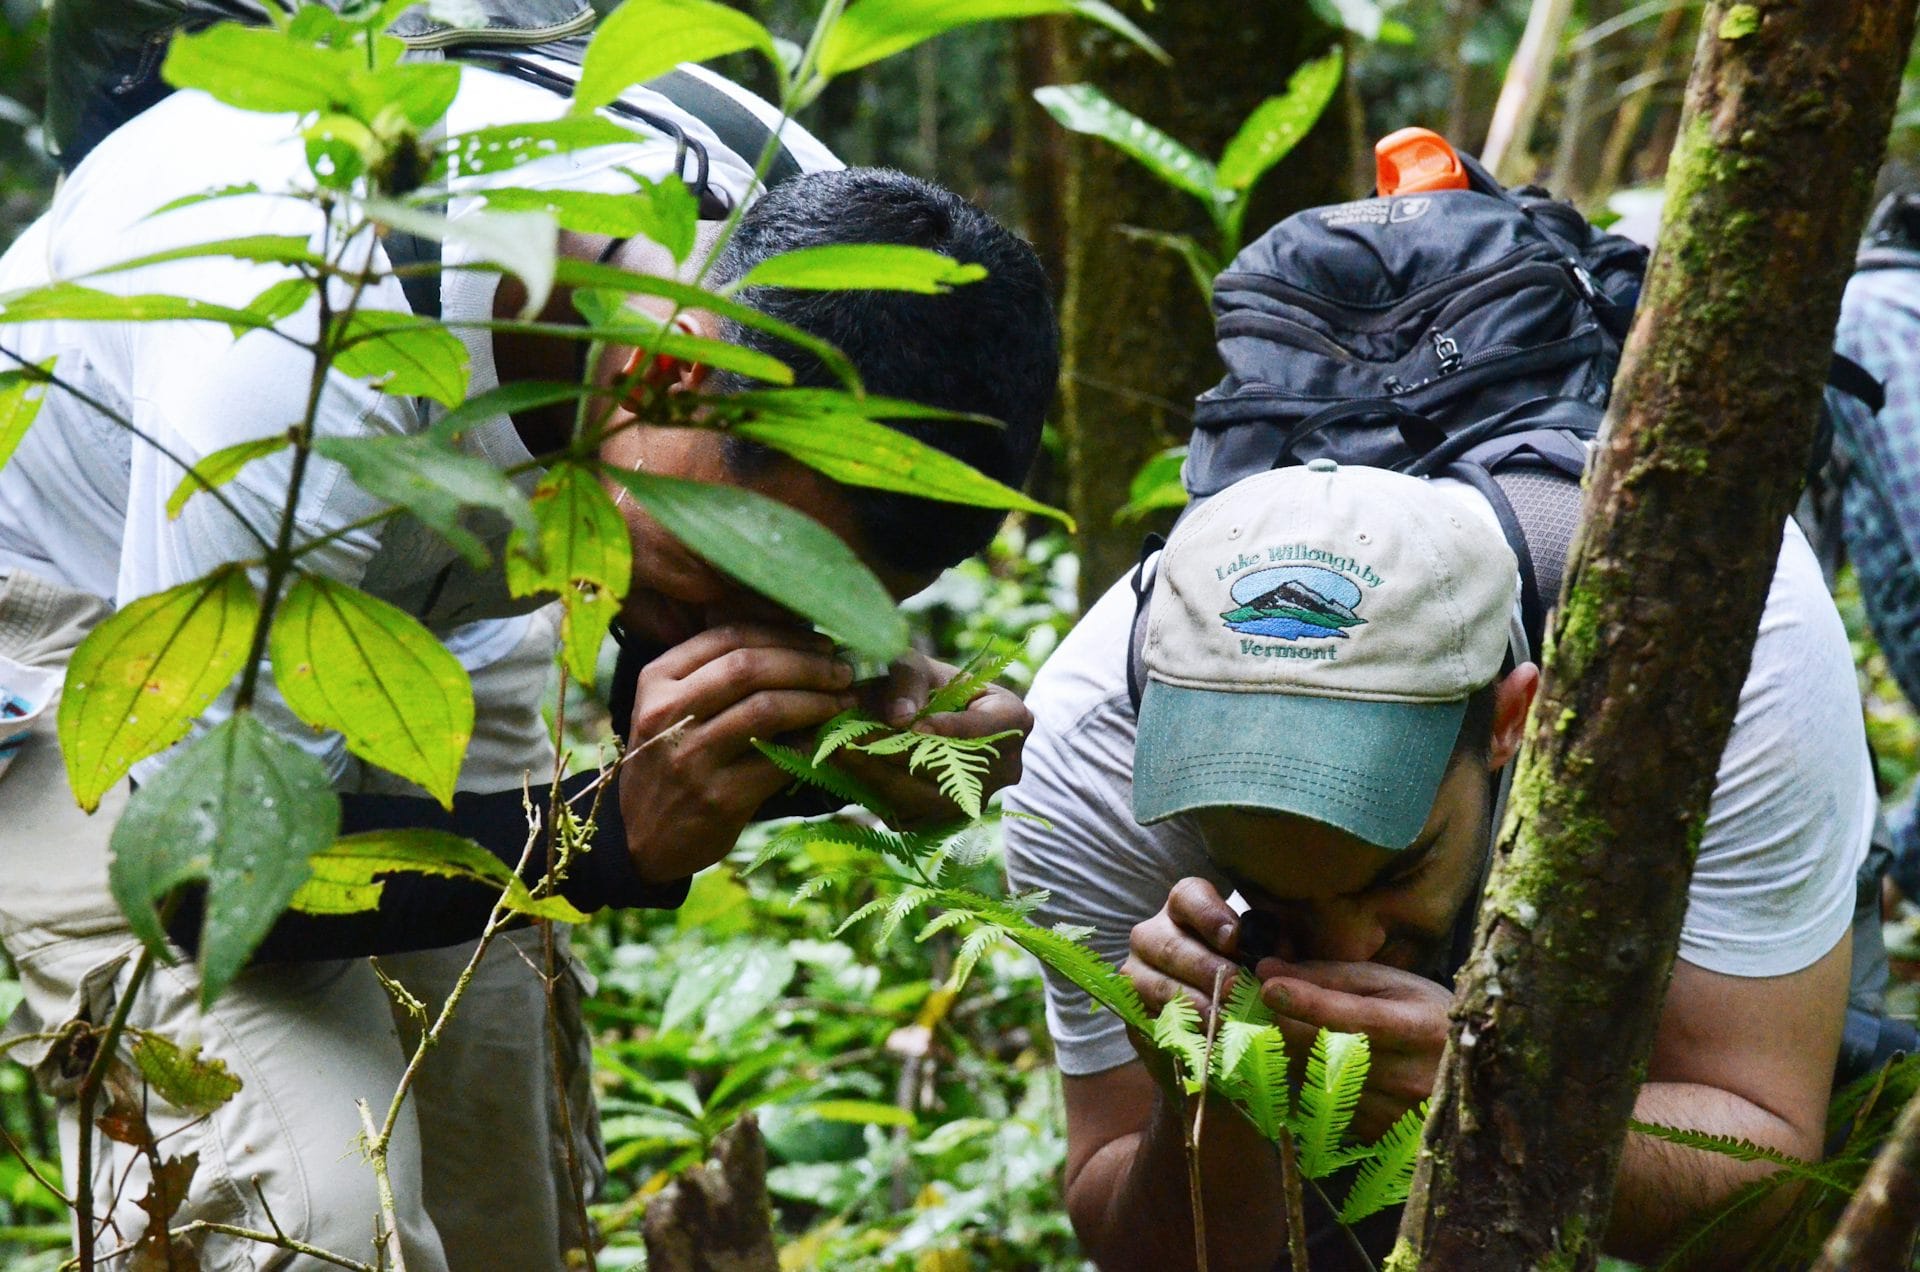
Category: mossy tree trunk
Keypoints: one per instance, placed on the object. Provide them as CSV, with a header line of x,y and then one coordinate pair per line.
x,y
1138,335
1786,116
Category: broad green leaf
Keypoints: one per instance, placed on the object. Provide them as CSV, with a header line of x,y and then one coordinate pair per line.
x,y
873,29
430,479
524,244
779,553
1156,486
74,303
756,979
181,1076
859,452
370,672
281,249
1362,17
420,91
1082,108
582,552
608,279
21,393
610,319
504,399
241,808
346,875
1276,125
664,211
863,267
504,146
402,355
222,467
645,38
139,678
861,1112
259,69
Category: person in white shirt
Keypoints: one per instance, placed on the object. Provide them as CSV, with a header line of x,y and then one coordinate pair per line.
x,y
479,1157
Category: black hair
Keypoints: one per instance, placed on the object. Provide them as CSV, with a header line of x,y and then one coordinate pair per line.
x,y
990,347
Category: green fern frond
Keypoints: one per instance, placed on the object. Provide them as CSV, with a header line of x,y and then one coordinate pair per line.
x,y
842,729
813,886
941,922
1025,903
971,950
1741,1151
980,671
1388,1174
1705,1240
1072,931
1064,955
862,913
1176,1031
778,844
1336,1075
1243,1002
909,900
1253,1073
831,780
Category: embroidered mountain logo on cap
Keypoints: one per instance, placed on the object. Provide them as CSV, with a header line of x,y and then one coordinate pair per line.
x,y
1294,602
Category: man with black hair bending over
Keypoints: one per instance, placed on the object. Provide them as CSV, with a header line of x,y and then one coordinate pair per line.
x,y
479,1159
1329,707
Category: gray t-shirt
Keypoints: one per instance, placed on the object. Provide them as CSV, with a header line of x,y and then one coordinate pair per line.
x,y
1773,889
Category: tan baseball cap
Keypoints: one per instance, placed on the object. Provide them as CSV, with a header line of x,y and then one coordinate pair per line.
x,y
1313,638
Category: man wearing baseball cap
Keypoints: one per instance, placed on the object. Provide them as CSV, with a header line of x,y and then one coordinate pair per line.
x,y
1329,702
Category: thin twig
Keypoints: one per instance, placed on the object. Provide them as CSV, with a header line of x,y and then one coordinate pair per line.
x,y
1194,1191
89,1092
1296,1202
276,1238
389,1243
32,1168
1353,1238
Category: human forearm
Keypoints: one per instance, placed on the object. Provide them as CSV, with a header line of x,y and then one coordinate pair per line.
x,y
1131,1202
1663,1187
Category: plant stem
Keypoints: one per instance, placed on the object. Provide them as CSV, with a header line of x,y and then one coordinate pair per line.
x,y
89,1092
1296,1202
1194,1191
279,1240
383,1179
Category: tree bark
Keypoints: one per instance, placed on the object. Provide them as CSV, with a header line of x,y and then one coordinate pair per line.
x,y
1138,338
1706,442
1875,1234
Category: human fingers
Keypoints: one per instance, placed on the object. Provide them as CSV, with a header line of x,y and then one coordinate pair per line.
x,y
703,647
1414,1021
1158,987
1198,908
765,714
898,696
995,710
738,674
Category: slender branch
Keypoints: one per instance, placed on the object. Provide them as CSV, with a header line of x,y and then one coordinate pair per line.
x,y
1290,1185
388,1243
1875,1233
1194,1191
276,1238
89,1092
32,1168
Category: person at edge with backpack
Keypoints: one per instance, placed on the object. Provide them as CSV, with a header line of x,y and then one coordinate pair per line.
x,y
479,1162
1131,839
1868,506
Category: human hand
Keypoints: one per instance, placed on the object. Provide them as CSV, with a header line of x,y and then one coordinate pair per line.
x,y
1185,948
692,778
915,798
1403,1015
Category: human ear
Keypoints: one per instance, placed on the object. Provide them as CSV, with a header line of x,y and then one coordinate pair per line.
x,y
1511,699
646,372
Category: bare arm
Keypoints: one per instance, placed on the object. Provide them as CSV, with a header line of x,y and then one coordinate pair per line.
x,y
1748,1057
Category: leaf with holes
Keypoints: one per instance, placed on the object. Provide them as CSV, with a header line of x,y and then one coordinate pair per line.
x,y
137,681
182,1076
241,808
582,553
505,146
348,662
347,875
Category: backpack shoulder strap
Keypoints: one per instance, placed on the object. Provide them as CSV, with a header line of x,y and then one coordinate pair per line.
x,y
1142,583
1533,610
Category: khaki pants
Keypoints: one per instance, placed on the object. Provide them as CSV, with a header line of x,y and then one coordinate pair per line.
x,y
478,1158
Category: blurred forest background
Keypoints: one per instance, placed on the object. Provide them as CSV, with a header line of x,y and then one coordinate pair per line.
x,y
911,1127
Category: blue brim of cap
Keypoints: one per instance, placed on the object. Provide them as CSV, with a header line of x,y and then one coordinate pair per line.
x,y
1371,769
